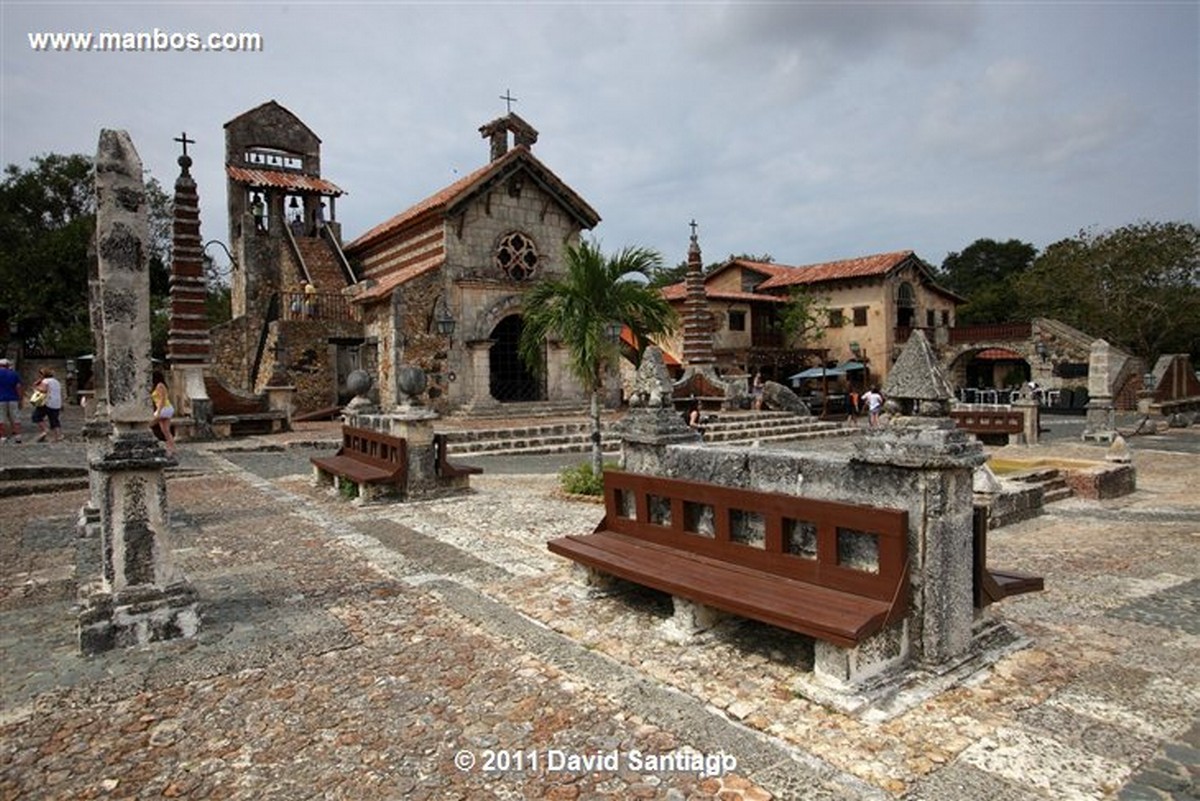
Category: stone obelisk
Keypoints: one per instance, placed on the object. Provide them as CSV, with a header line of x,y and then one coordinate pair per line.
x,y
140,596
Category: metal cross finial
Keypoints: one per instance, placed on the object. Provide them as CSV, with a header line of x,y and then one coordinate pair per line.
x,y
508,99
693,224
183,139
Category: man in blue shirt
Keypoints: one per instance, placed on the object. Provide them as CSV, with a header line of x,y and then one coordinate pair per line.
x,y
10,401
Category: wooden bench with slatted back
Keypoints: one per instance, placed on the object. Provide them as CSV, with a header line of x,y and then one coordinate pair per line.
x,y
830,570
446,468
368,458
994,584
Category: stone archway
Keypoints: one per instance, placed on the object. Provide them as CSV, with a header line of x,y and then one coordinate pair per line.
x,y
509,380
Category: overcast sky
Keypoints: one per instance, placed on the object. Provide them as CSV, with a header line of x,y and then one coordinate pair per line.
x,y
807,131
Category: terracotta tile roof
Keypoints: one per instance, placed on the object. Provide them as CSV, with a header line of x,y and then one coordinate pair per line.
x,y
999,355
443,200
629,339
677,292
272,179
862,267
385,285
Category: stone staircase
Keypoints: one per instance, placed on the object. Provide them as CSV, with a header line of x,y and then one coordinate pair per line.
x,y
573,434
41,480
322,264
1051,480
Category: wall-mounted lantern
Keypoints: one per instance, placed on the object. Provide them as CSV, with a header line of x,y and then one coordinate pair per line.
x,y
443,319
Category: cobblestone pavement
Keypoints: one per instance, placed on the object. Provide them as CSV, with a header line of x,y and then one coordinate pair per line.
x,y
390,651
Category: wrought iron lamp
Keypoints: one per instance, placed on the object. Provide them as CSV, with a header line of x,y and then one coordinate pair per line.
x,y
442,318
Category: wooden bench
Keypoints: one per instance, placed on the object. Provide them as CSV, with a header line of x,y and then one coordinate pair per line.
x,y
834,571
446,468
989,421
375,461
989,584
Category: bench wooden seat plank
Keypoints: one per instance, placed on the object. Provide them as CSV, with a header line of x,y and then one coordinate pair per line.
x,y
809,609
352,468
367,457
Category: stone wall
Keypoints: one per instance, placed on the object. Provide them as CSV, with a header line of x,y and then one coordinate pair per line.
x,y
233,344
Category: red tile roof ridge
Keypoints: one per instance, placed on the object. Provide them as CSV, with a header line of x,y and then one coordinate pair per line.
x,y
858,267
441,200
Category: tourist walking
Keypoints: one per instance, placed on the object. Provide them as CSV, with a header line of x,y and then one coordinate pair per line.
x,y
47,399
164,412
10,402
874,403
757,391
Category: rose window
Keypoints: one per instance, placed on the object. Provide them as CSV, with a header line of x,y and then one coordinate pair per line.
x,y
517,257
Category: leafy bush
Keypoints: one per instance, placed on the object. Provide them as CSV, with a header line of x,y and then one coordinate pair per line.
x,y
348,489
580,480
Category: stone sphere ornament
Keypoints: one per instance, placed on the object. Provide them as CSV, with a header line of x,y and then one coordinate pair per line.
x,y
359,382
411,382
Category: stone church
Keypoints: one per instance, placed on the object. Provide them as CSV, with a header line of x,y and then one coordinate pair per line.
x,y
438,286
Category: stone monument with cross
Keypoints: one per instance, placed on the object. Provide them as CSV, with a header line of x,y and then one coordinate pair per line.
x,y
189,347
700,379
140,595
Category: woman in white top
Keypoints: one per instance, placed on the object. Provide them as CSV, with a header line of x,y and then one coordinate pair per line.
x,y
46,416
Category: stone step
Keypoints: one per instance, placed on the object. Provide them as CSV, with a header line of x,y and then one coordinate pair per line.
x,y
1057,494
518,411
323,266
41,486
575,436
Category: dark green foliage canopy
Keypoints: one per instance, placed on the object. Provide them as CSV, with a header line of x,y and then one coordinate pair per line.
x,y
985,273
1137,286
47,221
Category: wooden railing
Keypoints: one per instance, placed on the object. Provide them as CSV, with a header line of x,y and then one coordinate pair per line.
x,y
1003,332
319,306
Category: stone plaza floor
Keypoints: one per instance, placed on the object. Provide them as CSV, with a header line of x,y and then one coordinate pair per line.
x,y
437,650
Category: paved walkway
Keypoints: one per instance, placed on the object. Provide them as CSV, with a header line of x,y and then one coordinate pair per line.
x,y
437,650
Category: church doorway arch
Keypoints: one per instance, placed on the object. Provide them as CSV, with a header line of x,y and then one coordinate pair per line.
x,y
510,381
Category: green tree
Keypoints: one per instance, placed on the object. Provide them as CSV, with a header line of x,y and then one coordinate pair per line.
x,y
47,221
985,273
577,308
804,317
1137,286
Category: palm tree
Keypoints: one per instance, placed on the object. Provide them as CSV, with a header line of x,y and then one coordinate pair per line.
x,y
578,307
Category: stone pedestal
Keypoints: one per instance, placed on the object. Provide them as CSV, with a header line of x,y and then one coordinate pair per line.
x,y
691,619
415,424
279,399
1031,417
192,400
140,596
1101,424
843,668
940,551
1101,419
652,423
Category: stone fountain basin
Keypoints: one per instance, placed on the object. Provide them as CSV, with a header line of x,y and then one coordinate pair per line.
x,y
1087,479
